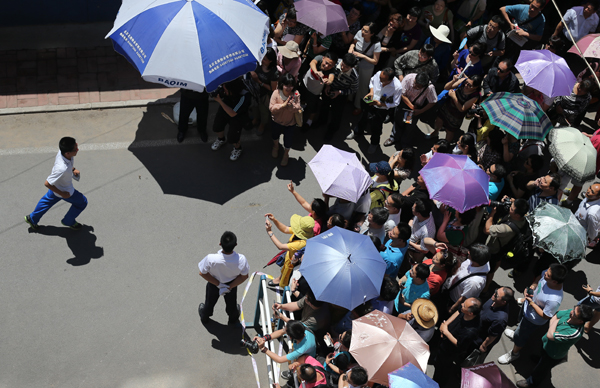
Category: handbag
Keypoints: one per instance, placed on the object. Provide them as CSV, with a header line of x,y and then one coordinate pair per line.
x,y
473,359
299,117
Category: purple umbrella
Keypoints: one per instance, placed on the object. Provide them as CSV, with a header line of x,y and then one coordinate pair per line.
x,y
456,181
546,72
322,15
485,376
340,173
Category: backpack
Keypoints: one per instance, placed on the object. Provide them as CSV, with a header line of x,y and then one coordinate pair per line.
x,y
521,245
330,378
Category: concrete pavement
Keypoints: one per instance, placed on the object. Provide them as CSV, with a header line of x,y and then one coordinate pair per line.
x,y
115,305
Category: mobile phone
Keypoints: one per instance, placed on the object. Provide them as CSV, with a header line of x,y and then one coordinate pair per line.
x,y
530,291
368,99
328,342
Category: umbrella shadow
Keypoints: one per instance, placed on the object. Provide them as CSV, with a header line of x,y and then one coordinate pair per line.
x,y
593,257
573,283
191,169
587,348
81,242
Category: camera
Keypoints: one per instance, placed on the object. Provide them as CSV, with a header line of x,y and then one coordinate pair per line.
x,y
219,91
504,204
475,110
252,346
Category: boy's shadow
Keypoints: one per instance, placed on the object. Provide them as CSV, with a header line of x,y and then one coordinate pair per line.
x,y
81,242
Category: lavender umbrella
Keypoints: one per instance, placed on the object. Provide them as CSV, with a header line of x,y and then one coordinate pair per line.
x,y
546,72
340,173
409,376
456,181
322,15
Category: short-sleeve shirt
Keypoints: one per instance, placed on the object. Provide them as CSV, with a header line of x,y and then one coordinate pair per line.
x,y
308,345
299,29
62,174
578,25
408,36
495,188
267,77
393,258
546,298
435,279
421,230
461,64
314,319
321,379
465,332
240,104
417,96
501,234
411,292
471,287
520,13
478,34
312,84
565,336
493,321
224,268
361,45
293,247
470,8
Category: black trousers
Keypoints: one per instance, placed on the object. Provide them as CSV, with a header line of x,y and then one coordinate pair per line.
x,y
335,106
186,107
402,132
542,369
212,296
373,117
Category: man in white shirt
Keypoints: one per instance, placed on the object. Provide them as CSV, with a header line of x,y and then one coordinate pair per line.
x,y
588,213
60,186
373,225
470,278
581,21
422,226
223,271
385,93
543,299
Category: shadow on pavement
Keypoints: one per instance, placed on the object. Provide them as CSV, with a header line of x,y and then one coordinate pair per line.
x,y
81,242
588,349
191,169
228,337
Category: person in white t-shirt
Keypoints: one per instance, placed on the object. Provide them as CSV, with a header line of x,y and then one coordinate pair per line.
x,y
223,271
543,299
60,186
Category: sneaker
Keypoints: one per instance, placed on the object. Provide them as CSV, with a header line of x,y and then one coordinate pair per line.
x,y
509,333
592,244
285,374
218,144
372,149
350,136
235,154
75,226
389,142
508,358
31,224
523,384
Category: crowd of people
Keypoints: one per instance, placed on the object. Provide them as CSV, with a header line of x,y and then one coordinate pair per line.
x,y
390,67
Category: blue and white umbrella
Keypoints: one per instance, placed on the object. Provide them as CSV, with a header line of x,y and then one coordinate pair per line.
x,y
191,44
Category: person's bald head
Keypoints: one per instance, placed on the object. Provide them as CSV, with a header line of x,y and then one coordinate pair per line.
x,y
593,192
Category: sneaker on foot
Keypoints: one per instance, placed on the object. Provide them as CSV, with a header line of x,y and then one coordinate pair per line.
x,y
389,142
218,144
75,226
509,333
372,149
235,154
523,384
285,374
350,136
508,358
30,222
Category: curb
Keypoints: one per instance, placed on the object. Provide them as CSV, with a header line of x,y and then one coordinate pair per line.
x,y
88,106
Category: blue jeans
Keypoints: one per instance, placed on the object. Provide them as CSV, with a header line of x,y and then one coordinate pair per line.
x,y
78,202
524,330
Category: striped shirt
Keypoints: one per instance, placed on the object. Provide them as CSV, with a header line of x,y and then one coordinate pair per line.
x,y
346,83
565,336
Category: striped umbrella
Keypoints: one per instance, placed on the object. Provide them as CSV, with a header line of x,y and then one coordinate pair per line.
x,y
573,153
518,115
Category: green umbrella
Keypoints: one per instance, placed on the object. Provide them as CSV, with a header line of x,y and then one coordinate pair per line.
x,y
557,231
518,115
573,152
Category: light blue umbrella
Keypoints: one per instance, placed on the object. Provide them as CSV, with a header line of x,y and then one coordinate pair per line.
x,y
343,268
410,376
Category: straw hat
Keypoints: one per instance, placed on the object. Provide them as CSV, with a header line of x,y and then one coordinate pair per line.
x,y
424,312
290,50
302,226
442,33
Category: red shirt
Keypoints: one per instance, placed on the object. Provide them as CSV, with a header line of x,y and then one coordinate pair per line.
x,y
320,376
435,279
596,143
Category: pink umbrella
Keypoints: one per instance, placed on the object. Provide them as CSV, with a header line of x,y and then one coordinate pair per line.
x,y
382,343
589,46
322,15
485,376
456,181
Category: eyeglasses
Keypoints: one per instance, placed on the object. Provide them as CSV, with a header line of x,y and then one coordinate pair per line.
x,y
503,71
496,293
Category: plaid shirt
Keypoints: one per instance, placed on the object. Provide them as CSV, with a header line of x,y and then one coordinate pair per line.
x,y
346,83
409,63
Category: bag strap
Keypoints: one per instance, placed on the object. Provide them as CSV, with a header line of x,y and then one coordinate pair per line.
x,y
531,19
368,47
473,10
465,278
420,94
